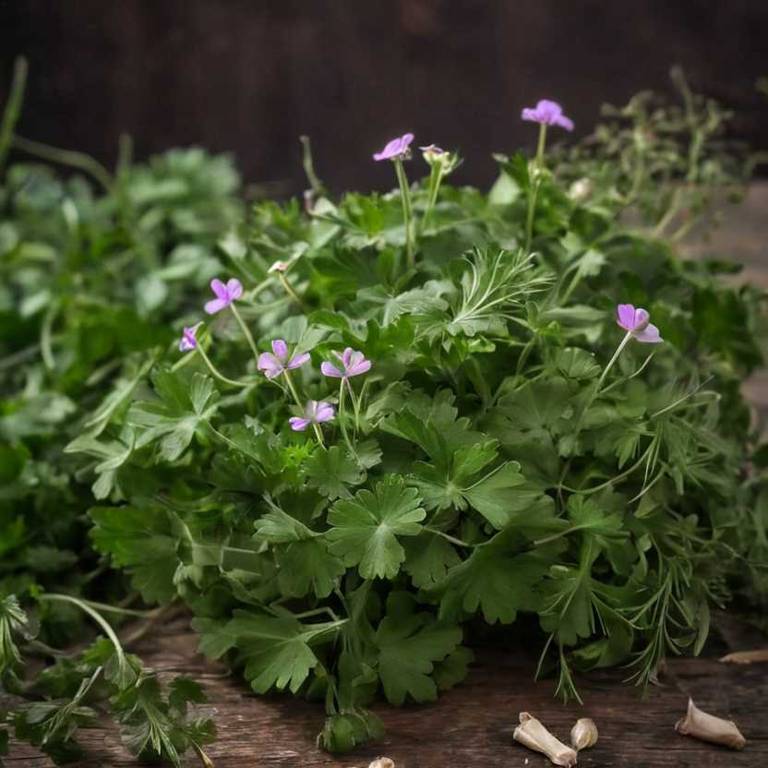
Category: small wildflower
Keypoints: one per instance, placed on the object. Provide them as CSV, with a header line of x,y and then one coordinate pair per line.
x,y
314,413
638,323
397,149
278,266
225,294
188,340
278,361
547,113
437,156
353,363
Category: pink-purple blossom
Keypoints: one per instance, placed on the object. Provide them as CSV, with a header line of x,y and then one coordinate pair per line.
x,y
314,413
637,321
225,293
278,360
353,363
397,149
188,340
547,112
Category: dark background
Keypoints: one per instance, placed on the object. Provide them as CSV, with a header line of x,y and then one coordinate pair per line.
x,y
250,76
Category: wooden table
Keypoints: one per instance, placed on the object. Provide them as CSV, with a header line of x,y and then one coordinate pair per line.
x,y
471,726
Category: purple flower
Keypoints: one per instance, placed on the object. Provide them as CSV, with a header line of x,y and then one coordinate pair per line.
x,y
638,323
314,413
277,361
397,149
188,340
225,294
353,363
547,113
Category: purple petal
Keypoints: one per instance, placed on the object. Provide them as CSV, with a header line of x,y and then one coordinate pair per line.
x,y
625,316
298,424
548,110
405,141
642,318
363,366
530,114
325,412
346,356
329,369
280,348
564,122
649,335
271,366
395,147
298,360
215,305
234,289
219,289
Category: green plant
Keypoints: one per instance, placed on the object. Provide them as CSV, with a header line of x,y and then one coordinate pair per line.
x,y
507,451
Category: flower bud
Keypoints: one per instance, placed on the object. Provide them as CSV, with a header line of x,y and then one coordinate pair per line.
x,y
436,156
583,734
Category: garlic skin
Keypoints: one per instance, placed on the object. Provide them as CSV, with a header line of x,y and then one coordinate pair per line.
x,y
382,762
583,734
532,734
706,727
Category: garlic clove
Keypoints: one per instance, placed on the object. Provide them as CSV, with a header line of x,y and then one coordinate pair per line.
x,y
746,657
701,725
583,734
532,734
382,762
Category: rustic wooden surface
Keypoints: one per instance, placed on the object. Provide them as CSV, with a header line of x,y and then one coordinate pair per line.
x,y
471,726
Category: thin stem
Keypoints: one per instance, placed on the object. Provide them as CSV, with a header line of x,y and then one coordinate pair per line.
x,y
13,107
66,157
341,420
246,332
435,177
212,368
448,537
355,403
405,196
96,616
289,289
539,171
627,338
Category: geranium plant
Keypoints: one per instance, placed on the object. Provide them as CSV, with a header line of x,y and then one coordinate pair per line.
x,y
403,414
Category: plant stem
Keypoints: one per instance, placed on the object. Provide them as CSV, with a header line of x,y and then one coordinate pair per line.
x,y
246,332
627,338
289,290
96,616
435,177
13,107
355,404
538,170
67,157
212,368
405,196
342,426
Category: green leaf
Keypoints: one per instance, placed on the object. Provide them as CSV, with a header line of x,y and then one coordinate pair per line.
x,y
409,644
307,566
144,541
495,579
331,472
365,529
428,558
275,650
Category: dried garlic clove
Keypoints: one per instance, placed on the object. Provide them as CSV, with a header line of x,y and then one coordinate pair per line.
x,y
706,727
746,657
583,734
532,734
382,762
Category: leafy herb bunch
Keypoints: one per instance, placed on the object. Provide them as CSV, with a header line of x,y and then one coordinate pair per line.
x,y
92,267
405,411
